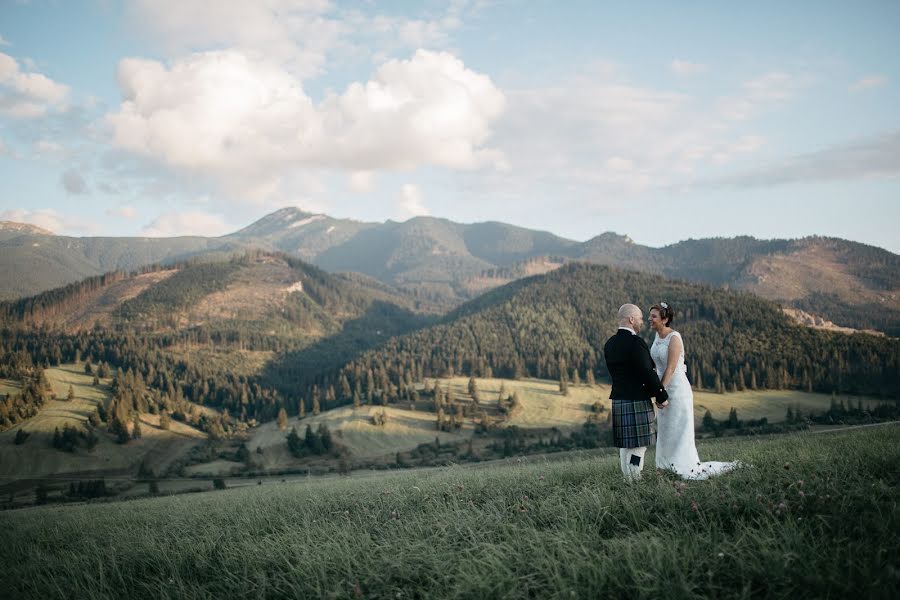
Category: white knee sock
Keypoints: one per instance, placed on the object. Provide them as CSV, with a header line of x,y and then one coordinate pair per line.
x,y
632,462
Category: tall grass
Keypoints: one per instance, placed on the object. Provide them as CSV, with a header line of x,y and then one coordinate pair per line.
x,y
814,516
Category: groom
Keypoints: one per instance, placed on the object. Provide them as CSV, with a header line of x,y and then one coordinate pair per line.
x,y
634,382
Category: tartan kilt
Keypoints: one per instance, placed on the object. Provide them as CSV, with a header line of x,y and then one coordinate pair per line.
x,y
633,423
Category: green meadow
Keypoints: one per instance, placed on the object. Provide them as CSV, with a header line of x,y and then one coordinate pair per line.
x,y
812,515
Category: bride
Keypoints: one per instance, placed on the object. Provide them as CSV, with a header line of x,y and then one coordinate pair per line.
x,y
675,448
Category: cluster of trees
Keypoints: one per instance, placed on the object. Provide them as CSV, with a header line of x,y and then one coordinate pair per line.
x,y
313,443
846,413
94,488
70,438
16,408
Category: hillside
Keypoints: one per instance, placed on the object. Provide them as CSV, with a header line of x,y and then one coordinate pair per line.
x,y
543,325
446,263
37,459
521,529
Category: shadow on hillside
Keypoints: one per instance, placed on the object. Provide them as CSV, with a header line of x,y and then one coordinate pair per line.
x,y
291,371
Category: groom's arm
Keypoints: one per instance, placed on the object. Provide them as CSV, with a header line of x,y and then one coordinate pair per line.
x,y
649,378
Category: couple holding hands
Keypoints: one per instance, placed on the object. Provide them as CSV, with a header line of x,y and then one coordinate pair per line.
x,y
640,373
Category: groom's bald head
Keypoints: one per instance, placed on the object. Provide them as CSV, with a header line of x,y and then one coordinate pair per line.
x,y
630,316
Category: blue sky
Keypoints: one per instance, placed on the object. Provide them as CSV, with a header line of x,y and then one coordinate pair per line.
x,y
663,121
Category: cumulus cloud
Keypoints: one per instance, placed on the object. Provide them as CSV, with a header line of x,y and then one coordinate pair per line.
x,y
224,113
868,82
73,182
872,157
175,224
684,67
28,94
411,201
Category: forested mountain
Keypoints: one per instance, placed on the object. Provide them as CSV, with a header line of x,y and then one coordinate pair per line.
x,y
261,332
445,263
237,334
555,326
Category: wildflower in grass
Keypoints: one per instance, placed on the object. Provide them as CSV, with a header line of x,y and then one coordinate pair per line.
x,y
541,478
787,466
694,507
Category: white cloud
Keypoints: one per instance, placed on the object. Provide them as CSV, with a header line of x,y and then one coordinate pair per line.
x,y
73,183
411,201
362,181
175,224
296,33
27,95
124,212
52,220
596,140
868,82
759,93
228,116
684,67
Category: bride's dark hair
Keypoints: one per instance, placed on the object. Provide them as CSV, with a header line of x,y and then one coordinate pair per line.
x,y
666,312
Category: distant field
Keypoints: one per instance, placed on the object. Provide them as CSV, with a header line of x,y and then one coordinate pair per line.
x,y
543,406
571,528
404,430
10,387
37,458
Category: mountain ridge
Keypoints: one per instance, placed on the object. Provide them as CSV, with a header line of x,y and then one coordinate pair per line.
x,y
445,263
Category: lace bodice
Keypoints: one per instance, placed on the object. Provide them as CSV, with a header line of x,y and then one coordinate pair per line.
x,y
659,352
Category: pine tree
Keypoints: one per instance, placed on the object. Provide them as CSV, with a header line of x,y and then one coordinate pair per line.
x,y
71,395
136,428
282,419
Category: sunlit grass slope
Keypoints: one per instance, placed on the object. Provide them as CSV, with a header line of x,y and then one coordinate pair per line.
x,y
815,516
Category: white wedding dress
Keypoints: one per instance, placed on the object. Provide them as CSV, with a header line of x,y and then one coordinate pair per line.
x,y
675,448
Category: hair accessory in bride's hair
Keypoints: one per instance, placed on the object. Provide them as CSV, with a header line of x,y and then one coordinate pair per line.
x,y
664,305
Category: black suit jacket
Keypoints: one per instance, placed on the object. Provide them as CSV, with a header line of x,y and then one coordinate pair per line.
x,y
631,369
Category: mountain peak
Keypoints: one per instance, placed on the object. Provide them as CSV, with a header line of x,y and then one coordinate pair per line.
x,y
281,221
24,228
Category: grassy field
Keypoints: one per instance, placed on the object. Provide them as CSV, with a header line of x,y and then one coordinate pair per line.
x,y
36,458
543,406
813,516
